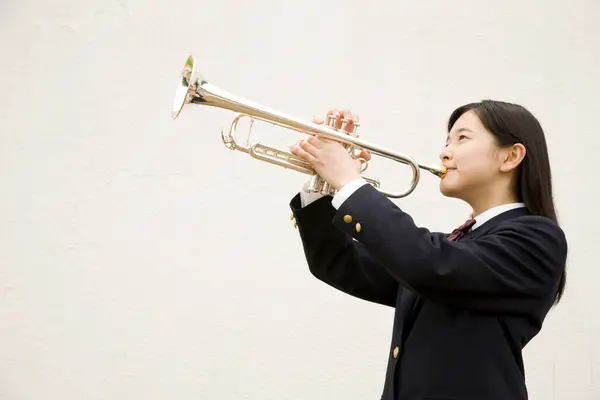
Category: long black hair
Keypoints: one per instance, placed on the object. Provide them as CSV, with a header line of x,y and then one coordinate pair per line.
x,y
510,124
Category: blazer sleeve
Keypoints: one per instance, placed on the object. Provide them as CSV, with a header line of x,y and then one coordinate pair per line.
x,y
518,262
335,258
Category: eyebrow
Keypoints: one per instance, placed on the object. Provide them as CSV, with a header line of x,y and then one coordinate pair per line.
x,y
464,130
459,131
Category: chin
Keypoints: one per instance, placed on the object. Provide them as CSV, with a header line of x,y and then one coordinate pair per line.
x,y
449,190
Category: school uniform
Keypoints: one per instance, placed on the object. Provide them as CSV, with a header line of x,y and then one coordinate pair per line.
x,y
464,308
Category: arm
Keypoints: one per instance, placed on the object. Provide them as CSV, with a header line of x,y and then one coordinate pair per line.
x,y
520,261
336,259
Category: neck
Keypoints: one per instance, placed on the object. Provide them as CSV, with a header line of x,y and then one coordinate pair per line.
x,y
490,199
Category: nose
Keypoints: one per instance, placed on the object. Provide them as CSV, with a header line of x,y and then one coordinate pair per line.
x,y
445,154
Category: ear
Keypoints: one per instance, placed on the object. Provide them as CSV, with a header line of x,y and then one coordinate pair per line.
x,y
512,157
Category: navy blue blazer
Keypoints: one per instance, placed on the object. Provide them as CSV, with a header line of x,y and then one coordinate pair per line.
x,y
463,310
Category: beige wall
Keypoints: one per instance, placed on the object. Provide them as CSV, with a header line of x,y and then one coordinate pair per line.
x,y
140,259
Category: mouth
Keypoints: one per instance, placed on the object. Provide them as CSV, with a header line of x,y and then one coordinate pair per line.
x,y
449,169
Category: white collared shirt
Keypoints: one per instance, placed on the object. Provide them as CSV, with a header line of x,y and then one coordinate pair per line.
x,y
493,212
341,195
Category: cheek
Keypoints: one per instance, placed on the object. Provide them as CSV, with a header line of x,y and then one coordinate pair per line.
x,y
476,161
474,168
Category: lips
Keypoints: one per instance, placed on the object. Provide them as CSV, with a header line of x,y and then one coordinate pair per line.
x,y
449,171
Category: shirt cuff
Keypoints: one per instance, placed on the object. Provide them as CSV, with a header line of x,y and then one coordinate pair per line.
x,y
346,191
307,197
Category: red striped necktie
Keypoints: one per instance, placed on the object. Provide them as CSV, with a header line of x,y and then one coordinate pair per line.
x,y
461,230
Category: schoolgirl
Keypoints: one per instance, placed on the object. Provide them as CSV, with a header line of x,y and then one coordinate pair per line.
x,y
466,304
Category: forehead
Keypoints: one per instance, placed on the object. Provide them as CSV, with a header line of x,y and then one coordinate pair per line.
x,y
468,122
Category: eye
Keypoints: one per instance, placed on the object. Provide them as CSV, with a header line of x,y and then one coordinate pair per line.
x,y
461,137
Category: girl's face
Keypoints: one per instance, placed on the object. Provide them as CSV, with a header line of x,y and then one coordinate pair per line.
x,y
473,159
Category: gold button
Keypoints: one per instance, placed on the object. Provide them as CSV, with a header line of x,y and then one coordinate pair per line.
x,y
291,216
347,218
358,227
396,351
295,226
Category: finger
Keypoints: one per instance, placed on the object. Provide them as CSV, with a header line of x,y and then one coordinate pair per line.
x,y
316,141
321,141
317,120
309,148
303,154
361,154
365,154
332,111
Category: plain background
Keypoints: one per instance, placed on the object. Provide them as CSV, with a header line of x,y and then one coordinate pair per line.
x,y
141,259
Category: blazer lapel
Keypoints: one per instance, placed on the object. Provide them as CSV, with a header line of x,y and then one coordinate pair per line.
x,y
408,311
488,225
407,301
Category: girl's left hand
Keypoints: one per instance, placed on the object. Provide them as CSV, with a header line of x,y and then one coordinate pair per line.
x,y
329,158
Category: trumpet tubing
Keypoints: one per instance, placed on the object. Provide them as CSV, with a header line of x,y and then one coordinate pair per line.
x,y
194,89
285,159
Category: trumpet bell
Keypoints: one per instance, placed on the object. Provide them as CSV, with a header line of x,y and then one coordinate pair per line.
x,y
189,80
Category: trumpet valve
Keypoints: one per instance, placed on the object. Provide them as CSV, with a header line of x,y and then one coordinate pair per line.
x,y
331,119
344,124
355,129
316,184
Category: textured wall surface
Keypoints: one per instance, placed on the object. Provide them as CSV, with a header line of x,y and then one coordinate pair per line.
x,y
140,259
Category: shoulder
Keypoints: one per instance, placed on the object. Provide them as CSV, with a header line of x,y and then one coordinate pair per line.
x,y
533,231
531,224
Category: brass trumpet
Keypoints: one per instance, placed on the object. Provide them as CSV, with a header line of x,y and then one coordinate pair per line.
x,y
193,88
